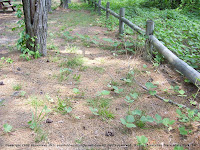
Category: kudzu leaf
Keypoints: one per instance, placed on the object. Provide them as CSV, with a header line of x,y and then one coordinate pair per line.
x,y
152,92
150,85
149,119
130,125
123,121
143,119
137,112
134,95
183,131
130,119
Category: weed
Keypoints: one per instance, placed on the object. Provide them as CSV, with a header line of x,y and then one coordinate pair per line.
x,y
142,141
36,122
136,118
17,87
73,62
151,86
63,106
64,74
100,106
7,128
8,60
22,93
99,69
77,77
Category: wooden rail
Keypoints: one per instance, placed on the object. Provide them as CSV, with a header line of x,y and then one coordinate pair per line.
x,y
180,65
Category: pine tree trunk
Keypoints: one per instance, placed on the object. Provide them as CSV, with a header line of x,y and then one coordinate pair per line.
x,y
35,16
64,3
49,5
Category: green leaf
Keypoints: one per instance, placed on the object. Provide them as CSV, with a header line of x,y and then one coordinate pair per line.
x,y
7,128
149,119
165,121
68,110
137,112
130,119
178,111
159,119
179,148
130,125
152,92
183,131
94,111
144,66
104,92
123,121
76,91
142,140
143,119
108,40
134,95
150,85
181,92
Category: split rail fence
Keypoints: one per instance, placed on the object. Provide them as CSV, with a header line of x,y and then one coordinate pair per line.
x,y
180,65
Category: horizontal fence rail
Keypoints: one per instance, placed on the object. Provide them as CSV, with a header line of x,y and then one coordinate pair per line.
x,y
180,65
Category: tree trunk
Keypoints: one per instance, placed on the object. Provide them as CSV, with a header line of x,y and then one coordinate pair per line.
x,y
35,16
64,3
49,6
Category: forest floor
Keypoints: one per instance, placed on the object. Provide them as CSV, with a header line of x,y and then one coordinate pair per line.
x,y
79,66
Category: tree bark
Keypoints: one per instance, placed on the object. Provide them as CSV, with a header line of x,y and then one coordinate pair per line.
x,y
49,6
35,16
64,3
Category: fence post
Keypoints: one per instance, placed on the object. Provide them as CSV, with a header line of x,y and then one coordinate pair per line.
x,y
121,23
148,45
99,9
107,7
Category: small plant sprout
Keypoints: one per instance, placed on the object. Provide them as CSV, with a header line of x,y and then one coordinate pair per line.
x,y
128,121
22,93
144,66
181,93
7,128
49,98
35,123
167,122
151,86
103,93
142,141
76,91
17,87
64,106
183,131
94,111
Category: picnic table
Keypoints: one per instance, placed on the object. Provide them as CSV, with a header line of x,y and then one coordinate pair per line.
x,y
5,4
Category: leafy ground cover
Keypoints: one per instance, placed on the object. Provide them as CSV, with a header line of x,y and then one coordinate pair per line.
x,y
85,95
176,28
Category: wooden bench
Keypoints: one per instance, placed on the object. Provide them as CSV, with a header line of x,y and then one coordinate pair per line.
x,y
5,7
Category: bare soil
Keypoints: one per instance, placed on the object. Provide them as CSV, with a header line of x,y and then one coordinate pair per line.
x,y
39,78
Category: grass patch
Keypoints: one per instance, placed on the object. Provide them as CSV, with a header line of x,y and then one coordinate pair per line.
x,y
99,69
101,107
17,87
72,62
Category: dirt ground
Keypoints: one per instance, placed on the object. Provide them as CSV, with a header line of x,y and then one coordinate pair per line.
x,y
80,129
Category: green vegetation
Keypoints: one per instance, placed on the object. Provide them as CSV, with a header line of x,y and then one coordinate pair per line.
x,y
7,128
177,28
63,106
17,87
100,105
36,122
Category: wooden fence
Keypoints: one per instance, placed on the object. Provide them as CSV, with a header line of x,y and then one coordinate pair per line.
x,y
180,65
